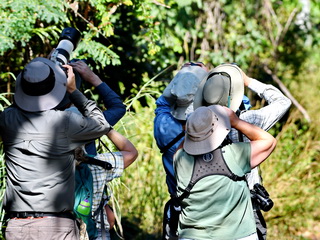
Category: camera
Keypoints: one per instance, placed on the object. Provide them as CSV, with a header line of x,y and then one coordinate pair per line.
x,y
261,197
77,60
68,42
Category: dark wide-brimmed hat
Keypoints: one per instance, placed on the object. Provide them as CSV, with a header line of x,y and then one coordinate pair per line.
x,y
181,90
206,129
40,86
224,86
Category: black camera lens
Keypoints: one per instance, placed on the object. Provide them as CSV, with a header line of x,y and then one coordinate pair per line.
x,y
265,203
71,34
261,197
68,41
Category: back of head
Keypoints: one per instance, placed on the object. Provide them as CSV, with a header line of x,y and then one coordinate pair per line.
x,y
40,86
181,90
206,129
224,86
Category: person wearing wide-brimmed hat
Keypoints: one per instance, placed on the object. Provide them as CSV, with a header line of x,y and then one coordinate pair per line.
x,y
218,206
173,106
225,86
39,141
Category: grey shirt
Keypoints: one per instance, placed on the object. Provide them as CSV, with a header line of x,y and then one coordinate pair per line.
x,y
39,154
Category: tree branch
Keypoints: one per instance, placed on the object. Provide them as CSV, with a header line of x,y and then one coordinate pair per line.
x,y
287,93
280,37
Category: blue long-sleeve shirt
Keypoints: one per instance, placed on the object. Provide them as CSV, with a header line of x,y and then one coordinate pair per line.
x,y
166,128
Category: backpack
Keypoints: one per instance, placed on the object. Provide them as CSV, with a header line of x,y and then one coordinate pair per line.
x,y
208,164
84,195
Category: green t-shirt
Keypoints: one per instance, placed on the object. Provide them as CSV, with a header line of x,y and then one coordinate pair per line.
x,y
217,207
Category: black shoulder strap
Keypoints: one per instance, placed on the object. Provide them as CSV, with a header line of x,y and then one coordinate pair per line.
x,y
173,141
99,211
97,162
205,165
238,112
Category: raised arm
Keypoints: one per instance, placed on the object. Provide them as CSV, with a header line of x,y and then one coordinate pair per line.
x,y
91,124
262,143
115,109
128,150
278,104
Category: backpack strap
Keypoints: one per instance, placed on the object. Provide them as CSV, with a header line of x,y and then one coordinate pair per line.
x,y
99,211
97,162
212,163
173,141
238,112
91,160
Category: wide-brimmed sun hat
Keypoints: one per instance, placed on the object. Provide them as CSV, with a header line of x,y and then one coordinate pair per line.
x,y
40,86
181,90
224,86
206,129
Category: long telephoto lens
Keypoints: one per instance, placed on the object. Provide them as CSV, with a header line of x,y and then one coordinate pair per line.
x,y
68,41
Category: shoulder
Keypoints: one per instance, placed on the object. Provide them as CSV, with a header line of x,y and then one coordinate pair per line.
x,y
114,158
183,157
240,149
237,156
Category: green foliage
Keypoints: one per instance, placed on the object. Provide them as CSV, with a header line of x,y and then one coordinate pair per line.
x,y
137,44
98,52
17,20
296,189
138,203
142,203
31,28
292,172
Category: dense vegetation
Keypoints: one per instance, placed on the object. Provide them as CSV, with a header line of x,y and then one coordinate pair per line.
x,y
136,46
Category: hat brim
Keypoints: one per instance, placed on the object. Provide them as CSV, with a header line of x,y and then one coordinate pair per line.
x,y
237,86
220,131
47,101
182,112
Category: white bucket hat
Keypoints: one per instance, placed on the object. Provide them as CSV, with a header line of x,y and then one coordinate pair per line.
x,y
40,86
224,86
206,129
181,90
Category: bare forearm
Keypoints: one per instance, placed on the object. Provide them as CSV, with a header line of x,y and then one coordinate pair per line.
x,y
94,80
122,143
251,131
127,149
262,143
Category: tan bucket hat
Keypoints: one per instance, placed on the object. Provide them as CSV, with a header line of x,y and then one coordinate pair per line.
x,y
206,129
40,86
224,86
